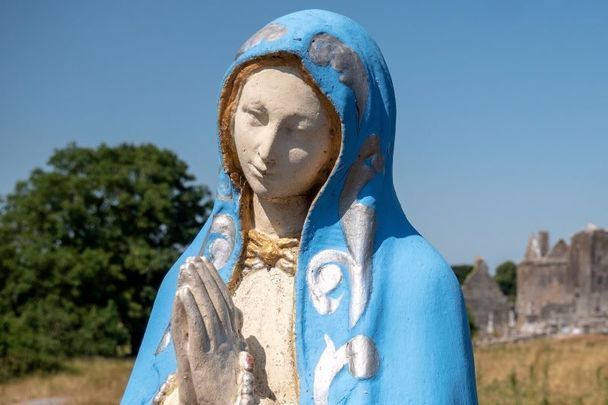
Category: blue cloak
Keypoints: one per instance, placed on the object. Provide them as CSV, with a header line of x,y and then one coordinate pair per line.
x,y
380,317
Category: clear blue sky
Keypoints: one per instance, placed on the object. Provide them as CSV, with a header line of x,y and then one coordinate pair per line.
x,y
502,124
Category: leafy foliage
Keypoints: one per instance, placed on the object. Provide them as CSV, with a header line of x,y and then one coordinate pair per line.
x,y
506,277
84,246
462,271
472,326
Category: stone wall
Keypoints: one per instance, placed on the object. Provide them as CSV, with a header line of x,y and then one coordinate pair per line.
x,y
560,290
589,255
487,305
544,289
564,290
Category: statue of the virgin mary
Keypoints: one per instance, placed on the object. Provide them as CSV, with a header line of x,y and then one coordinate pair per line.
x,y
307,284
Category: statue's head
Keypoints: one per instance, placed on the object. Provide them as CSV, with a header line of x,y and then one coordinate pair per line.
x,y
306,109
283,134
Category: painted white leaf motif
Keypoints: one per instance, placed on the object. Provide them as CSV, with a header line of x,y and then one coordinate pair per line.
x,y
358,223
322,280
330,276
224,186
164,340
222,239
359,354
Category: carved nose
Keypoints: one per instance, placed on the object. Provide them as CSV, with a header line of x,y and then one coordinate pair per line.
x,y
264,150
264,163
261,164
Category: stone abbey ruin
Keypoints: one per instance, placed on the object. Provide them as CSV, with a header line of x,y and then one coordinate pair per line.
x,y
560,290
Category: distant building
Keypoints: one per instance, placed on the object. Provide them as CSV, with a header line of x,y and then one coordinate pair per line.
x,y
487,305
560,290
564,289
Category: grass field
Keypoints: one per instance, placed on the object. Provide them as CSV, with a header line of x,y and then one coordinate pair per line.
x,y
558,371
92,381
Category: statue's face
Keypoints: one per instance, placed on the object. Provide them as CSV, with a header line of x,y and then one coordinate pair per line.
x,y
282,134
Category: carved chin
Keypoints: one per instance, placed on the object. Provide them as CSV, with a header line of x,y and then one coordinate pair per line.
x,y
268,191
270,187
259,186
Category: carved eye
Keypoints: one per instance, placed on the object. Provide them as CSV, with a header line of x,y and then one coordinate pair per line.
x,y
295,131
257,115
300,125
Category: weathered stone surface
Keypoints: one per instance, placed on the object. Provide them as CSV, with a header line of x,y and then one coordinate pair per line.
x,y
560,250
486,303
565,290
562,290
538,245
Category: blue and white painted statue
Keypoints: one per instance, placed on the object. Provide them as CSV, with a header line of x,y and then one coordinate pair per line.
x,y
307,284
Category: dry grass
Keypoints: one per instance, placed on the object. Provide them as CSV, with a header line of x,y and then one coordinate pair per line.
x,y
93,381
558,371
565,371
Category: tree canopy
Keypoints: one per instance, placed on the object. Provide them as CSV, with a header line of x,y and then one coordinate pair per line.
x,y
506,277
462,271
84,244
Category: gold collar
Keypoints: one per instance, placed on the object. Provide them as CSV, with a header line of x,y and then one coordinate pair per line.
x,y
264,251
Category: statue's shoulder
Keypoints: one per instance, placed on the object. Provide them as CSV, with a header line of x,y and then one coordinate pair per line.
x,y
422,302
413,260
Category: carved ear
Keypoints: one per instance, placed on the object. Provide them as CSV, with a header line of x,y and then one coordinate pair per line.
x,y
326,50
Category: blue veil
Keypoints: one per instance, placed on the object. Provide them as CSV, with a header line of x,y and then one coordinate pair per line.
x,y
379,314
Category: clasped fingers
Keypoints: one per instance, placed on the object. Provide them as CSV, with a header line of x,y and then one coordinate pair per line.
x,y
211,299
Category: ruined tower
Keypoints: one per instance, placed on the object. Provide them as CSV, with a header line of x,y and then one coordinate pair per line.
x,y
564,289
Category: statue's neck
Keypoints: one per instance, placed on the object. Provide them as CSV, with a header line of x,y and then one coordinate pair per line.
x,y
282,218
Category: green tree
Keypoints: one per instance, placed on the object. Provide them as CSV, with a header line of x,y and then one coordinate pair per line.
x,y
84,245
472,326
506,277
462,271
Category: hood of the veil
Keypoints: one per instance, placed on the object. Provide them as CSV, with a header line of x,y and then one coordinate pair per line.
x,y
348,68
